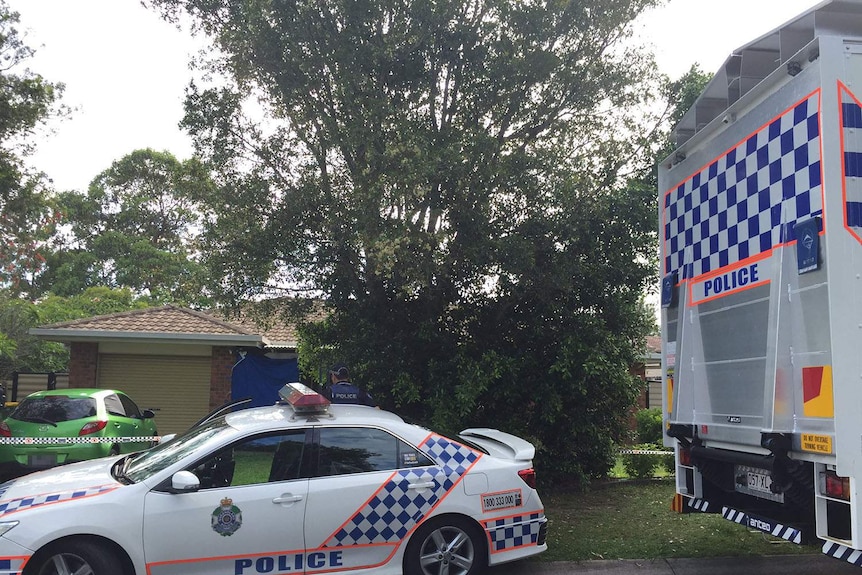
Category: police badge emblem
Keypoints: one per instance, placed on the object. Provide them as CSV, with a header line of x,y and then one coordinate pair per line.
x,y
227,518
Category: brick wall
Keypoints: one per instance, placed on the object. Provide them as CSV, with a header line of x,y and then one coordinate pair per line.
x,y
83,364
220,375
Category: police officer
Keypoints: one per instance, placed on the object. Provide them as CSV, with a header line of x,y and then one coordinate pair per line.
x,y
341,390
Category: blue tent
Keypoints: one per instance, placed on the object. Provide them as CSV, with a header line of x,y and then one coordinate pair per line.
x,y
260,378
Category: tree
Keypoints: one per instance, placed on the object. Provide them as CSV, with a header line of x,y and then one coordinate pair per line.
x,y
26,101
450,177
135,228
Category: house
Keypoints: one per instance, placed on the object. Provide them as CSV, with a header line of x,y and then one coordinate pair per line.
x,y
649,370
177,361
184,363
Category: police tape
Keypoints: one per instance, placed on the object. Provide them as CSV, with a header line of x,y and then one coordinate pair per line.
x,y
76,440
644,452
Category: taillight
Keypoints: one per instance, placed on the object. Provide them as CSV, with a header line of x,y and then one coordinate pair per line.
x,y
833,485
4,430
685,456
528,476
93,427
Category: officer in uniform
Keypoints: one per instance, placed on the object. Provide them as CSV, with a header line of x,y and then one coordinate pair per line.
x,y
341,390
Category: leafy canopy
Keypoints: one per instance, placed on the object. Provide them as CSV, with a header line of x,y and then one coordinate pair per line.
x,y
450,177
26,101
135,228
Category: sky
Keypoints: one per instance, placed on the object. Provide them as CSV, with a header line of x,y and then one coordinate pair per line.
x,y
126,70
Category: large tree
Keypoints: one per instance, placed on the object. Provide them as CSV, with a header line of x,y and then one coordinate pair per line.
x,y
135,228
27,100
449,176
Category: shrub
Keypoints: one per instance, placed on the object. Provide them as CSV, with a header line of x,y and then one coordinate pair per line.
x,y
639,466
648,425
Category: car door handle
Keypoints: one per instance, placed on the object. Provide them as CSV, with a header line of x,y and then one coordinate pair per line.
x,y
287,499
425,485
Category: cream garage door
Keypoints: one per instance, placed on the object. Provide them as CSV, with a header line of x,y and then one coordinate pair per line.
x,y
176,388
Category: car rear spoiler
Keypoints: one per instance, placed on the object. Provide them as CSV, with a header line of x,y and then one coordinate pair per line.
x,y
500,444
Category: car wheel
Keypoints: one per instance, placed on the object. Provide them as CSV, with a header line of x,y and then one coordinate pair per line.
x,y
115,450
75,557
445,546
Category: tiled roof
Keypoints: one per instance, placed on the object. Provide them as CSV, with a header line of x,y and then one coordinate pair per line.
x,y
170,319
165,319
277,332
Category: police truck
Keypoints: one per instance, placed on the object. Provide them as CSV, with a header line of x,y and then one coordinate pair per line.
x,y
760,232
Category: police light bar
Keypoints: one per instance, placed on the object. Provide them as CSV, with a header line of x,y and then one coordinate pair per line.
x,y
303,399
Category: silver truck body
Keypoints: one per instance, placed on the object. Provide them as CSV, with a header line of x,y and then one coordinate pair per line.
x,y
760,214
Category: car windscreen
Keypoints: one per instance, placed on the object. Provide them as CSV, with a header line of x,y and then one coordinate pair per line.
x,y
163,455
55,408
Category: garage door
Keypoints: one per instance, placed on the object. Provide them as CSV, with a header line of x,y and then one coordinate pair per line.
x,y
176,388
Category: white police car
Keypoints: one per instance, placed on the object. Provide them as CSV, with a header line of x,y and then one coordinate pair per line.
x,y
300,487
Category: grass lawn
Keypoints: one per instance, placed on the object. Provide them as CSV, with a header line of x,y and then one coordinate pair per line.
x,y
633,520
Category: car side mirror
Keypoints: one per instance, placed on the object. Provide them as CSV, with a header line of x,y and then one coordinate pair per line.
x,y
148,414
184,482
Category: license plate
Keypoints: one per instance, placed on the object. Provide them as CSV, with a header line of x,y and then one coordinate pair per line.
x,y
42,460
502,500
759,481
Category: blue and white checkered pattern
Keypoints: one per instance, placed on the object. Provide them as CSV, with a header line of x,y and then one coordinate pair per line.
x,y
22,503
12,565
851,141
396,509
747,200
512,532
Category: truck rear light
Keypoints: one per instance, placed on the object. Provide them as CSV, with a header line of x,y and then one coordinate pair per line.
x,y
833,485
93,427
528,476
4,430
685,456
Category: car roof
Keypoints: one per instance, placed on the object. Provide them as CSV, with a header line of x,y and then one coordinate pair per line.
x,y
282,415
74,392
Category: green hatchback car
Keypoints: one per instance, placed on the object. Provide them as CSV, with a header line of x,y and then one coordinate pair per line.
x,y
50,428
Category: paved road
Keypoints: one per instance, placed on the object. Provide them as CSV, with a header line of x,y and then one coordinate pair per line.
x,y
814,564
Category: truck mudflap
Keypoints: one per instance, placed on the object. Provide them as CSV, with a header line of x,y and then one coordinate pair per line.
x,y
838,551
792,533
786,532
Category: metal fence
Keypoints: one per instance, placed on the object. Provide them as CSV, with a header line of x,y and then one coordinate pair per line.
x,y
23,384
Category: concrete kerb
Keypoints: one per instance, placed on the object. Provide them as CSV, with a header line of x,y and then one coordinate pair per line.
x,y
813,564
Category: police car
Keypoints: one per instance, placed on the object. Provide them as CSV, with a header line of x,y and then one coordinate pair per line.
x,y
299,487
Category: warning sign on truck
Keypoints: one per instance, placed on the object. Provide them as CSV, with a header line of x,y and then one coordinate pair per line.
x,y
816,443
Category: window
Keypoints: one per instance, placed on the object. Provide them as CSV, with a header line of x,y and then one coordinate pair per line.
x,y
114,406
255,460
54,408
358,449
129,406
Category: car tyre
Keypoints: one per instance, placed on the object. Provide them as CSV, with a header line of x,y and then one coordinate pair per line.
x,y
68,557
446,545
115,450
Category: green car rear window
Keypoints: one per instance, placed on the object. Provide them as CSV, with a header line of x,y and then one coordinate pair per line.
x,y
54,408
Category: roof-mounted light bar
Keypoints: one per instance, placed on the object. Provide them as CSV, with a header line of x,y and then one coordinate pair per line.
x,y
303,399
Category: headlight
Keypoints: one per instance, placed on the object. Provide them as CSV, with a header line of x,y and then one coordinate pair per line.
x,y
6,526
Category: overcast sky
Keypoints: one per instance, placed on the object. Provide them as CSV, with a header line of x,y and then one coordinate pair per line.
x,y
125,70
